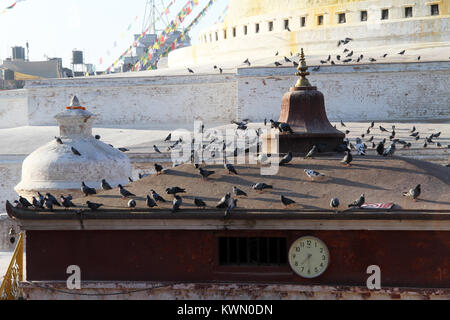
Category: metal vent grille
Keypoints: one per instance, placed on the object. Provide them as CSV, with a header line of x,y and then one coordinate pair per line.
x,y
252,251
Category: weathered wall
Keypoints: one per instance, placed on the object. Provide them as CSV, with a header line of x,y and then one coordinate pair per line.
x,y
137,101
390,92
13,108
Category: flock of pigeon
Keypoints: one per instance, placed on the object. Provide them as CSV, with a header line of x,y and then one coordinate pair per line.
x,y
228,202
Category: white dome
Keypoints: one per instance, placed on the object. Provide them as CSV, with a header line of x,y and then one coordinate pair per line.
x,y
55,167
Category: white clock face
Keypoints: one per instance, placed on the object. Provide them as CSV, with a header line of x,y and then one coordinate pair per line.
x,y
309,257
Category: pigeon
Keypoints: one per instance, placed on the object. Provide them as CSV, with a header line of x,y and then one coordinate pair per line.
x,y
205,173
277,64
384,55
322,61
130,180
372,60
413,193
261,186
334,203
176,203
157,197
87,190
413,129
415,134
231,204
223,203
360,147
97,137
314,175
402,52
156,149
389,151
175,190
158,168
230,168
124,192
105,185
36,203
343,124
338,57
372,124
383,129
358,203
348,158
276,53
286,159
50,197
66,202
311,152
274,124
287,59
17,204
123,149
418,58
48,203
286,201
247,62
93,206
24,202
150,202
284,127
371,139
295,64
199,203
435,135
220,70
132,204
58,140
238,192
169,137
75,151
190,70
41,198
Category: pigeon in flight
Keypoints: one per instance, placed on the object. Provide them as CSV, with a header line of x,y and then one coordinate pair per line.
x,y
247,62
277,64
190,70
75,151
157,197
87,190
93,206
58,140
314,175
169,137
287,59
286,159
358,203
383,129
402,52
125,193
286,201
372,60
97,137
156,149
413,193
105,185
238,192
150,202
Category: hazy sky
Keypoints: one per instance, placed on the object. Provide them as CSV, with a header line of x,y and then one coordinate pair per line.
x,y
55,27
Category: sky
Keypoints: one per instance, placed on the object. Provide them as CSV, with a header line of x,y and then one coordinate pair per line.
x,y
53,28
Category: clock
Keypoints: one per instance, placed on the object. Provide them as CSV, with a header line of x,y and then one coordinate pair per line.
x,y
309,257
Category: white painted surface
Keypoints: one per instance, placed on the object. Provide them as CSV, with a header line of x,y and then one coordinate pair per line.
x,y
54,166
13,108
394,92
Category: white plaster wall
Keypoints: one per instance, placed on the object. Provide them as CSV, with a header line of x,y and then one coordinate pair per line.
x,y
137,101
13,108
405,92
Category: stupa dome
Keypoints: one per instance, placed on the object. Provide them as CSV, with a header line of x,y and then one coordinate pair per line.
x,y
55,167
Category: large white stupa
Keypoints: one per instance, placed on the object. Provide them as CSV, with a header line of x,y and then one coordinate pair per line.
x,y
54,167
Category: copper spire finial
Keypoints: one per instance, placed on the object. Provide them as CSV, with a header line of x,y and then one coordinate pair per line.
x,y
74,102
302,82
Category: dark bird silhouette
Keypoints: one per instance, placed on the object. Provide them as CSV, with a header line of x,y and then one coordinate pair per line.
x,y
277,64
199,203
150,202
190,70
286,159
372,60
348,158
205,173
334,203
261,186
230,168
158,168
338,57
123,149
75,151
24,202
157,197
383,129
87,190
238,192
247,62
223,203
93,206
384,55
156,149
124,192
51,198
380,148
105,185
169,137
286,201
58,140
287,59
97,137
402,52
36,203
175,190
66,202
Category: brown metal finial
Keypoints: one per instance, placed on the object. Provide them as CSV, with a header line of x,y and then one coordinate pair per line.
x,y
302,67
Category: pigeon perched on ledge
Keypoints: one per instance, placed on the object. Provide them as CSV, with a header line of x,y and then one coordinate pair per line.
x,y
413,193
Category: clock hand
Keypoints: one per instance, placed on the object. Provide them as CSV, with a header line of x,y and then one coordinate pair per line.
x,y
307,258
